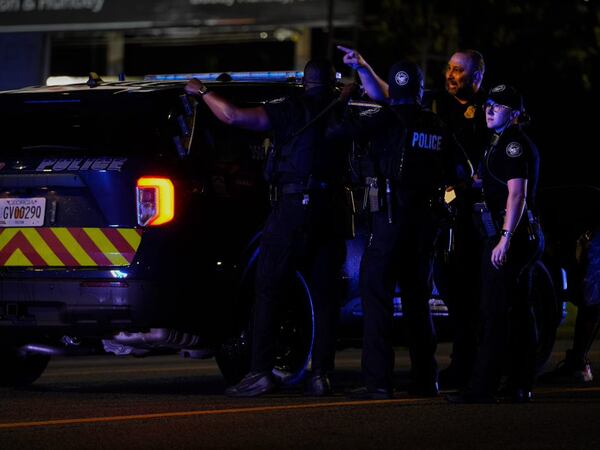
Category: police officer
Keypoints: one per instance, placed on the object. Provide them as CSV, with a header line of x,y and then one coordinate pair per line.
x,y
458,273
411,152
305,227
456,268
512,245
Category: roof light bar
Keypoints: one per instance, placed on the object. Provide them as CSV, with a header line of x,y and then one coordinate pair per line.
x,y
282,75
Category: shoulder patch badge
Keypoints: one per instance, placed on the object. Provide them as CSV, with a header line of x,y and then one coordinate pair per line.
x,y
514,149
402,78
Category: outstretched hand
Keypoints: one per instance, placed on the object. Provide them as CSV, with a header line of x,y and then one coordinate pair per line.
x,y
352,58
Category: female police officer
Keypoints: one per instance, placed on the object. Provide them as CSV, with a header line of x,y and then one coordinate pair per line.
x,y
512,245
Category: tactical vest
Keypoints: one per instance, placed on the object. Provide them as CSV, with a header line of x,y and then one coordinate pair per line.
x,y
413,152
292,161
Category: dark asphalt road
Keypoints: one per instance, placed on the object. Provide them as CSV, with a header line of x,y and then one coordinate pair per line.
x,y
170,403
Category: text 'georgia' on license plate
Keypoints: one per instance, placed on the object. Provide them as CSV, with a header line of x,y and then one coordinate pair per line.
x,y
22,212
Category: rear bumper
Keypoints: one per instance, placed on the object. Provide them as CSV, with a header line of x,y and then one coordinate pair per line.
x,y
103,305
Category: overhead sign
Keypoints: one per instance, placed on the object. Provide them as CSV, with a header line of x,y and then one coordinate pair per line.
x,y
65,15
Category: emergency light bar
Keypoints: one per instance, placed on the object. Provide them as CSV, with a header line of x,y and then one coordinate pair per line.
x,y
282,75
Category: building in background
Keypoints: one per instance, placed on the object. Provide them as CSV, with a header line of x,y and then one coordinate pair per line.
x,y
41,38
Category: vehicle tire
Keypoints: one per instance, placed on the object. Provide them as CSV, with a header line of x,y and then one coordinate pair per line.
x,y
548,310
20,369
294,340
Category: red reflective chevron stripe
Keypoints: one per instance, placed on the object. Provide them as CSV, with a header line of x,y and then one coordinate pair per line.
x,y
120,243
89,247
57,247
20,242
68,247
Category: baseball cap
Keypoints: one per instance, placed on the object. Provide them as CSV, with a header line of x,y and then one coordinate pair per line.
x,y
405,80
506,95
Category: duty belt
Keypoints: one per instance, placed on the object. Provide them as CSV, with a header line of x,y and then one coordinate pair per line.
x,y
296,188
292,188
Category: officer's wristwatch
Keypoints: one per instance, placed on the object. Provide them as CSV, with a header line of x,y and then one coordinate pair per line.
x,y
202,90
506,233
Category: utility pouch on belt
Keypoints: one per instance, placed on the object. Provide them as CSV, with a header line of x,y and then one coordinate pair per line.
x,y
371,198
484,221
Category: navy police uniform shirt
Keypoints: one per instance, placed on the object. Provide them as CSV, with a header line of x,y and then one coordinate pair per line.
x,y
466,120
513,156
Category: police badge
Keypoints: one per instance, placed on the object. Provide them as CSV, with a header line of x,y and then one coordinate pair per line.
x,y
514,149
470,112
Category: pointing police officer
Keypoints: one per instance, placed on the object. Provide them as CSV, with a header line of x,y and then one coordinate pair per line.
x,y
412,154
305,227
513,243
456,271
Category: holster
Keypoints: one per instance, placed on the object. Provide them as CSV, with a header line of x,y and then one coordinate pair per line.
x,y
484,221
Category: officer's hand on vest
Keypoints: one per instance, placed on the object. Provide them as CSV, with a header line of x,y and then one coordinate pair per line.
x,y
477,182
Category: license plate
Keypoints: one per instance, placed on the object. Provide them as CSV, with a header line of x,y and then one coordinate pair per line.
x,y
22,212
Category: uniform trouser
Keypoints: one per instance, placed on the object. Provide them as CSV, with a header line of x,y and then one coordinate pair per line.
x,y
305,238
587,323
508,327
459,281
398,253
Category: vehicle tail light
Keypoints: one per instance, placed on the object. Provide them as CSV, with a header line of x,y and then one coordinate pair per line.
x,y
155,198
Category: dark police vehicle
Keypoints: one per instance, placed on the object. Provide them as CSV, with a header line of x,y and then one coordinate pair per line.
x,y
129,224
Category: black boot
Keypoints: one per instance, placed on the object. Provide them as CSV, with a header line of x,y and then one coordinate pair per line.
x,y
318,385
252,385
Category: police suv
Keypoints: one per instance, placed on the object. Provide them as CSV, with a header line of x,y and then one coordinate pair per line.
x,y
129,224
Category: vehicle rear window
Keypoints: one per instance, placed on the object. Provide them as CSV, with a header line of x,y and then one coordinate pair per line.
x,y
120,125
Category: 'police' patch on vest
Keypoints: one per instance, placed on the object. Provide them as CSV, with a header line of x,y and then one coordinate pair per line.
x,y
426,141
514,149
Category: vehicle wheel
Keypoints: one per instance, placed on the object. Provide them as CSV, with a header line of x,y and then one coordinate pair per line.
x,y
233,357
294,340
547,307
20,369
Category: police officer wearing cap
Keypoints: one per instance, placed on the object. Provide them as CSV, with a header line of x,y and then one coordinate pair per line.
x,y
456,269
305,229
412,153
513,243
